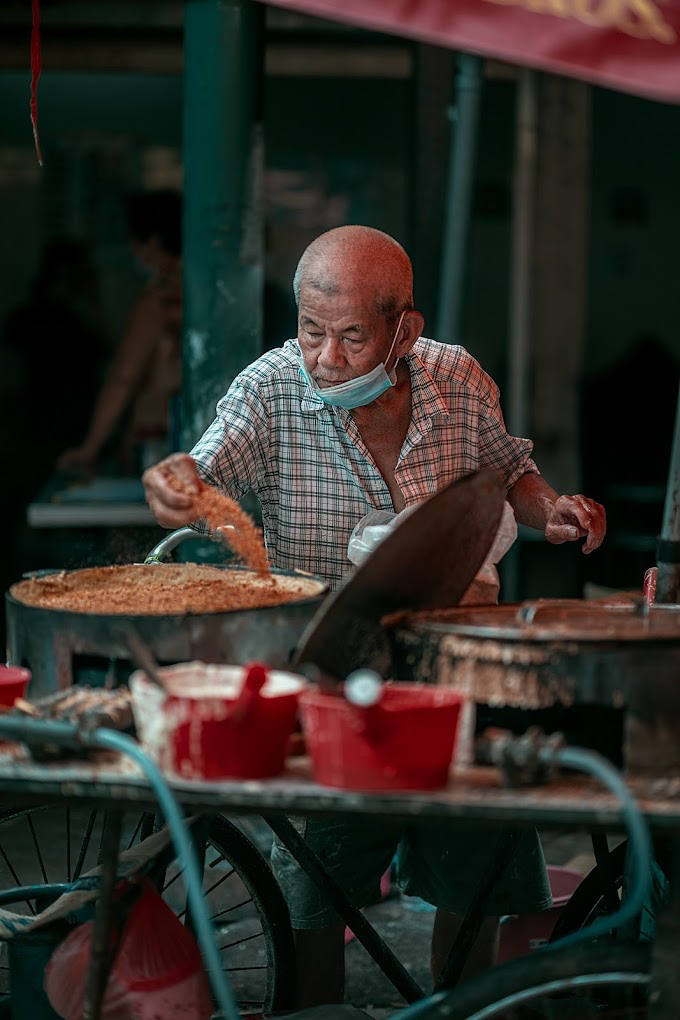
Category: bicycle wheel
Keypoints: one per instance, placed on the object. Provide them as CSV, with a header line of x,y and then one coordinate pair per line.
x,y
607,982
55,844
597,893
600,893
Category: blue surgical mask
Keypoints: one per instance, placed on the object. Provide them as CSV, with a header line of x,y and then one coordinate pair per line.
x,y
362,390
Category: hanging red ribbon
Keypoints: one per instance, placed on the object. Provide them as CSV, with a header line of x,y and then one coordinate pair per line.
x,y
36,67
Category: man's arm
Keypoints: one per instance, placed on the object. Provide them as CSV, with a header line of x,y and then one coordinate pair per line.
x,y
562,518
226,456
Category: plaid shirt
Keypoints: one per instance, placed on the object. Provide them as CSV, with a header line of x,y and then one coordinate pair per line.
x,y
310,469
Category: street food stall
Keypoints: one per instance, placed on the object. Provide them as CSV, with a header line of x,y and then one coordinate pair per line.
x,y
397,611
392,592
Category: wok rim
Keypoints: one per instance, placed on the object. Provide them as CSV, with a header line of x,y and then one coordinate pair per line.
x,y
73,614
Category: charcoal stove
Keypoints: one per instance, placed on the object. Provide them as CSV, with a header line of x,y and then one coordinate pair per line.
x,y
620,655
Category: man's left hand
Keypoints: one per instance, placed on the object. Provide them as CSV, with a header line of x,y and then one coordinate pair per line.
x,y
571,517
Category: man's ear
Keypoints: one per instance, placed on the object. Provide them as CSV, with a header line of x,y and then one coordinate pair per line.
x,y
411,328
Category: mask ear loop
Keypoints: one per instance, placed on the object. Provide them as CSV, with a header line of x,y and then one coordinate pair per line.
x,y
394,344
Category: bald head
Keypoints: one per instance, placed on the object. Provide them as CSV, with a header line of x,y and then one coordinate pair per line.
x,y
358,261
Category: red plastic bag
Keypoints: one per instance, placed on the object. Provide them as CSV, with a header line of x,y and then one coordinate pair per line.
x,y
157,973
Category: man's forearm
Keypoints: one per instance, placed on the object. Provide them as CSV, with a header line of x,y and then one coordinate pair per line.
x,y
525,499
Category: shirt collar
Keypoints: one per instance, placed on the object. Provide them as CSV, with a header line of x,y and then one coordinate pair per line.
x,y
426,400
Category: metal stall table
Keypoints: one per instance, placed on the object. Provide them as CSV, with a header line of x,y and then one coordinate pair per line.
x,y
474,795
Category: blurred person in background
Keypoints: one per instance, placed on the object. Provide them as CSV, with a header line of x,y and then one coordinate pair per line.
x,y
52,353
134,404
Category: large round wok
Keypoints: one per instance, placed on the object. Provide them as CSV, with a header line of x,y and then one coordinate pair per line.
x,y
54,642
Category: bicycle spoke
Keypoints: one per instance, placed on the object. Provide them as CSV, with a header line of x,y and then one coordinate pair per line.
x,y
206,892
219,860
135,833
228,910
234,970
85,843
178,874
213,917
239,942
37,849
17,880
68,844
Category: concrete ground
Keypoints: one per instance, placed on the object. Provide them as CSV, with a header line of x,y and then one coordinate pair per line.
x,y
407,931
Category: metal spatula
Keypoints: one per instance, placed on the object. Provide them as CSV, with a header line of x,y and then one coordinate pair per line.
x,y
426,562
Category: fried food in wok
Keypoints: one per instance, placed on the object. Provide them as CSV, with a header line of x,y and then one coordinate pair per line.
x,y
162,589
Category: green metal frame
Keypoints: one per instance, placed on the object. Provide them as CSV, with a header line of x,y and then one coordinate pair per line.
x,y
223,216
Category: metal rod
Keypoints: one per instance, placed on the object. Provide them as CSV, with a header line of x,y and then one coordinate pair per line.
x,y
519,320
519,328
668,579
351,915
462,152
85,843
101,957
604,868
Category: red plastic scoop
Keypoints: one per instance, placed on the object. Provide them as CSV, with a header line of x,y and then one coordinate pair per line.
x,y
253,682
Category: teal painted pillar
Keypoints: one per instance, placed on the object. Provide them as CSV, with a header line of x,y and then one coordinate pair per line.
x,y
462,158
223,253
668,553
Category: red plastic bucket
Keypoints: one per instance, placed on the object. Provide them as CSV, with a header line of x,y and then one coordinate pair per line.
x,y
13,683
193,730
405,742
520,935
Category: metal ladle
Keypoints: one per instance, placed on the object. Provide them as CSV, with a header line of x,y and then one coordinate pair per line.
x,y
142,656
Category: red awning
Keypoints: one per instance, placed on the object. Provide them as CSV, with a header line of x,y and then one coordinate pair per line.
x,y
632,45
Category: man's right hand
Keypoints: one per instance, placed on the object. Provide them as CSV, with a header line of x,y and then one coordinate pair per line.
x,y
170,487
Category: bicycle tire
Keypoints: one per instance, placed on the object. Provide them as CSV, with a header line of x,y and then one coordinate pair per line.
x,y
256,875
588,900
231,845
538,985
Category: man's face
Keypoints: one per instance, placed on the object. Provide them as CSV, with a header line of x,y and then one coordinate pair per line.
x,y
341,337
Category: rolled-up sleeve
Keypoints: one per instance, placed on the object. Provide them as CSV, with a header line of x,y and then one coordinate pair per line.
x,y
511,455
229,455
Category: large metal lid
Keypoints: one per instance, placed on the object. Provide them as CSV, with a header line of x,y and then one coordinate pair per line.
x,y
427,562
624,619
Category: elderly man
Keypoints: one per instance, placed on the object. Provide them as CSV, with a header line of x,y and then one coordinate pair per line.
x,y
362,412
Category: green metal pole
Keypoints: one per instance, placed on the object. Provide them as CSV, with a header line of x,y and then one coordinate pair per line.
x,y
668,554
524,185
462,153
223,218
